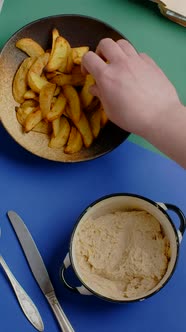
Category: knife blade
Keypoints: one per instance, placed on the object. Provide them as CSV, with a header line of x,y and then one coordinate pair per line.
x,y
38,269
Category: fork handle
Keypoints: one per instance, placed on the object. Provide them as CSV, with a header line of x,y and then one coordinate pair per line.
x,y
59,313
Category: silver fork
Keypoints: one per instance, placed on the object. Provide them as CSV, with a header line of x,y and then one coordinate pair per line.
x,y
28,307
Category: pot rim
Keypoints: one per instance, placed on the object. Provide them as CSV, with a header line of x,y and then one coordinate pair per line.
x,y
177,242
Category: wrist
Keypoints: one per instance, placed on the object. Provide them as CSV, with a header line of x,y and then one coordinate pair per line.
x,y
168,134
162,121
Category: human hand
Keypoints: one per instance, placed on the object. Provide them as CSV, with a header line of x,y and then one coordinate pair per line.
x,y
132,88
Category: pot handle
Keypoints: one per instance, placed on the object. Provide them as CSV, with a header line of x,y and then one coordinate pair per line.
x,y
180,214
81,289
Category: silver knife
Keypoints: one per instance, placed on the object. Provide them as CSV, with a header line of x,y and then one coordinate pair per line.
x,y
38,269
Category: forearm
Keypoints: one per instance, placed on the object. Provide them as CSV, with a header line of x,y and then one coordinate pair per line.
x,y
168,134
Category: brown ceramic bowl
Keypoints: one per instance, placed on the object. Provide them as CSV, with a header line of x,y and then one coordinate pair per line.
x,y
79,30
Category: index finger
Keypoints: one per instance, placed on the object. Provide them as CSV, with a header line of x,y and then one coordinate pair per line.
x,y
93,64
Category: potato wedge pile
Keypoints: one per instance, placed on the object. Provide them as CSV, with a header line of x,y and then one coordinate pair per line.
x,y
53,95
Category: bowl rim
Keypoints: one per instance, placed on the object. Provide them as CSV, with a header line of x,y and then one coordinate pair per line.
x,y
92,18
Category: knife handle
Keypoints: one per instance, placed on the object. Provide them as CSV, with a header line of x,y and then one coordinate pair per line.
x,y
59,313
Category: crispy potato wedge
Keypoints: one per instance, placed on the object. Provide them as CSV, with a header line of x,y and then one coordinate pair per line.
x,y
30,47
104,117
77,79
35,81
20,80
29,102
85,96
45,98
70,79
85,130
49,76
55,34
78,53
67,111
58,56
69,64
57,91
57,109
43,127
95,122
62,136
29,94
76,69
56,126
73,101
76,72
32,120
23,112
61,79
39,64
75,141
53,100
95,104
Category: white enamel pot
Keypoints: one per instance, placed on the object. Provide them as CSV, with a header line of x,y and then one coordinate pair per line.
x,y
127,202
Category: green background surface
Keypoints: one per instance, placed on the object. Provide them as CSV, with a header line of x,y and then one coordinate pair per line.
x,y
140,21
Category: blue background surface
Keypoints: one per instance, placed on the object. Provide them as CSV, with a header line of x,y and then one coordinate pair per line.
x,y
50,196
